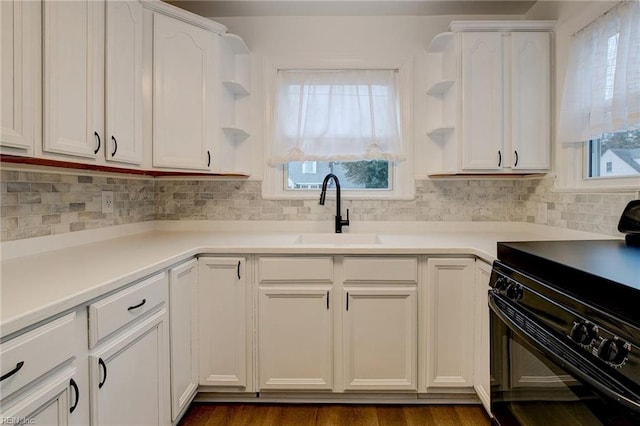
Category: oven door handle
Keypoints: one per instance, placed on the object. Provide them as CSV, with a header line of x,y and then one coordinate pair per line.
x,y
633,404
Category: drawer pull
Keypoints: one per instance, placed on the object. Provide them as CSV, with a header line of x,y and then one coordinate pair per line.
x,y
74,385
131,308
104,369
12,372
238,269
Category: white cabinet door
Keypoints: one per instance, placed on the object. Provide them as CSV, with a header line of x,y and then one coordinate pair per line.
x,y
184,118
380,338
222,322
123,81
482,101
530,70
72,69
183,317
481,381
20,74
128,376
295,332
49,403
450,340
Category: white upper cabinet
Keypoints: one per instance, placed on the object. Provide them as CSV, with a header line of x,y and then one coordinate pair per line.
x,y
20,76
494,115
123,82
184,77
72,44
93,80
530,93
482,100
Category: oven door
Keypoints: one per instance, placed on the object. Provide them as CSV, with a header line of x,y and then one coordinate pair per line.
x,y
540,380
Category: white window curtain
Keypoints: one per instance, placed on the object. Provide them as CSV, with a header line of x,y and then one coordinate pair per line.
x,y
602,84
336,115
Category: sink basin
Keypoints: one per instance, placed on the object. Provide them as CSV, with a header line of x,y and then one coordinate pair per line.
x,y
337,239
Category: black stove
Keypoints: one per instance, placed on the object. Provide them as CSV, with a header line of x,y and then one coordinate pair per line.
x,y
602,273
565,333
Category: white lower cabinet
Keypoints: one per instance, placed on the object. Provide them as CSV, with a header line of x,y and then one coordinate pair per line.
x,y
380,338
50,403
481,374
183,317
42,381
295,323
449,330
295,337
129,372
337,323
223,333
380,323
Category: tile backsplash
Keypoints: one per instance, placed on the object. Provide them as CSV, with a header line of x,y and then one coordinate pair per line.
x,y
34,204
44,203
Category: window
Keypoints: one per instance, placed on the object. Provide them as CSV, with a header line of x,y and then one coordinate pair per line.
x,y
600,111
615,155
352,120
352,175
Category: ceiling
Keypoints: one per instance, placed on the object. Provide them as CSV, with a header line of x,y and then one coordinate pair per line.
x,y
225,8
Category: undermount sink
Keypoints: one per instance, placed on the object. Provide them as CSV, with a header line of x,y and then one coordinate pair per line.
x,y
337,239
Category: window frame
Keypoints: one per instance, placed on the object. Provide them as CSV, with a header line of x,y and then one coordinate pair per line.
x,y
401,175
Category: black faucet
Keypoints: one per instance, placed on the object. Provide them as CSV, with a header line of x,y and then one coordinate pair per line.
x,y
339,222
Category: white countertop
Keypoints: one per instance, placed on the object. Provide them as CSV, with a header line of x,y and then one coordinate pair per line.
x,y
66,271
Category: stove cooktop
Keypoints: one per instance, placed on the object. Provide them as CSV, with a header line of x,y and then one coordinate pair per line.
x,y
602,273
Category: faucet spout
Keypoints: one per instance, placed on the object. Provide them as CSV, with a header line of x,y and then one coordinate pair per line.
x,y
323,194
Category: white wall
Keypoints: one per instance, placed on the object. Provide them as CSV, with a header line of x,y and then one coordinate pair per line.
x,y
346,36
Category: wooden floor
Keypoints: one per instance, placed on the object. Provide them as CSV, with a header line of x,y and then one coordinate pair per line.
x,y
347,415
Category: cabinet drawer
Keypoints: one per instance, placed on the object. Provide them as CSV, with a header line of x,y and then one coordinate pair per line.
x,y
114,312
36,352
383,269
316,269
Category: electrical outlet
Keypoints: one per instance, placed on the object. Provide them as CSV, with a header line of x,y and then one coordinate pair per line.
x,y
107,201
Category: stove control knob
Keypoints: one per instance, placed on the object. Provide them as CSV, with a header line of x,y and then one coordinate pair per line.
x,y
514,292
583,333
501,284
614,351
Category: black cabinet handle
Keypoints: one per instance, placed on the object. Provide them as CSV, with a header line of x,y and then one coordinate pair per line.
x,y
208,158
347,301
516,163
327,299
74,386
131,308
99,142
499,158
238,269
115,146
12,372
104,371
